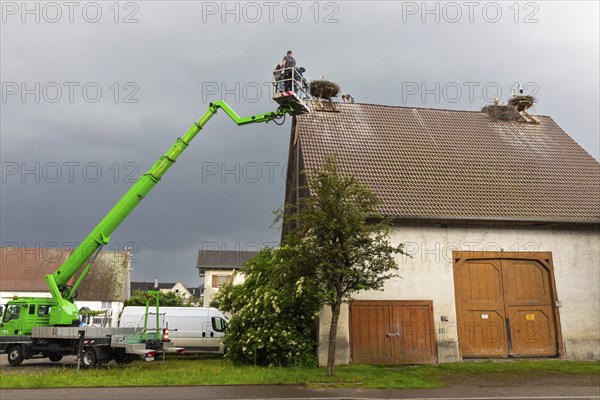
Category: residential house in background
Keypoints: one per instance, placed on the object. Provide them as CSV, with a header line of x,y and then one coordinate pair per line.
x,y
218,267
105,288
197,294
165,287
500,218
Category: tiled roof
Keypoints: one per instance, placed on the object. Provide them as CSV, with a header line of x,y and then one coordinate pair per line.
x,y
443,164
225,259
24,270
143,286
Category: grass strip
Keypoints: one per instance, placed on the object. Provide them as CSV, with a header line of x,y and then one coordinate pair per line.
x,y
201,371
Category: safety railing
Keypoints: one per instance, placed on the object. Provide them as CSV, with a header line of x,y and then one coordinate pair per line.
x,y
291,80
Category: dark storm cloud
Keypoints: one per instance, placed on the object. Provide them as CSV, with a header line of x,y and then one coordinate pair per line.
x,y
158,74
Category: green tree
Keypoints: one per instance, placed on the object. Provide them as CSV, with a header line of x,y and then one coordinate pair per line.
x,y
340,241
273,313
169,299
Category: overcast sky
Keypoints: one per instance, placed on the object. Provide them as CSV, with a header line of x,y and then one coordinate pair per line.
x,y
94,92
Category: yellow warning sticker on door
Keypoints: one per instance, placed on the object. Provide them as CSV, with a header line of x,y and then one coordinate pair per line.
x,y
530,317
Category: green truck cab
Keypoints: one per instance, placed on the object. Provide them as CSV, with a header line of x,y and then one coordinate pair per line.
x,y
21,314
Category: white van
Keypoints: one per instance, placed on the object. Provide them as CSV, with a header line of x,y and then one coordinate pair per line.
x,y
196,329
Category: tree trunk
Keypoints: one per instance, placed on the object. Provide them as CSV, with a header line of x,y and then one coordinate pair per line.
x,y
335,315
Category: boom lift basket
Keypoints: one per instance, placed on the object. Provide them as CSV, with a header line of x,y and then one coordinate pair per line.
x,y
291,89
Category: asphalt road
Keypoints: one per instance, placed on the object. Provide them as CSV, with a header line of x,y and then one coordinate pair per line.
x,y
300,392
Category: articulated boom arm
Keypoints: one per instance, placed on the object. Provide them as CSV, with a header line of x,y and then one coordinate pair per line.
x,y
65,312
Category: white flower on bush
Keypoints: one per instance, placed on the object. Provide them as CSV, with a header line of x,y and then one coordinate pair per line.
x,y
299,286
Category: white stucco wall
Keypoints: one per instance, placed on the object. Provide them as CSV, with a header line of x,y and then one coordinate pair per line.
x,y
428,275
180,289
114,309
209,290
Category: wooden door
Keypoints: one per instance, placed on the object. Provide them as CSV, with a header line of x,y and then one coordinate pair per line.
x,y
529,308
505,304
370,322
415,339
392,332
480,308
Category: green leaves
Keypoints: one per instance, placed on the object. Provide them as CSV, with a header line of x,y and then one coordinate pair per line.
x,y
336,240
339,241
339,247
168,299
272,314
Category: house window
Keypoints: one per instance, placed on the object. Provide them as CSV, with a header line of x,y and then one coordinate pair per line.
x,y
219,280
106,304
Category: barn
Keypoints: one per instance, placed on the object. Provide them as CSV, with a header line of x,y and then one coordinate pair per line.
x,y
500,225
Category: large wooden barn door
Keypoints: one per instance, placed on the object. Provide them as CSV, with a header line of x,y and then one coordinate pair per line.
x,y
392,332
505,304
529,307
480,308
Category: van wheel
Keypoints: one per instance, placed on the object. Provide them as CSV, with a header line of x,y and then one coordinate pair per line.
x,y
88,358
55,357
15,355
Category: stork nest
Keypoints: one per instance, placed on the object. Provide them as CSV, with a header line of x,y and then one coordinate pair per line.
x,y
323,89
502,113
522,103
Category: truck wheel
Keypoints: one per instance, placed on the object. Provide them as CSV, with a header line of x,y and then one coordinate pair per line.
x,y
121,358
55,357
88,358
15,355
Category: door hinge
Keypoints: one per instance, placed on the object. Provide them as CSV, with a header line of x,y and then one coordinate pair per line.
x,y
558,303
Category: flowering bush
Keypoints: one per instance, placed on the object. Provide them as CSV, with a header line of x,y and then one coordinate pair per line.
x,y
273,313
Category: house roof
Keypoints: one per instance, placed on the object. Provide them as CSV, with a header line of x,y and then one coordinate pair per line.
x,y
143,286
222,259
24,270
457,165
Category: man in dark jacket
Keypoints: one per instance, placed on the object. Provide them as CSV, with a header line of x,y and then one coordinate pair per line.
x,y
288,63
299,82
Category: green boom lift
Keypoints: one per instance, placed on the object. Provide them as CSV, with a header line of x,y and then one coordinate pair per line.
x,y
24,330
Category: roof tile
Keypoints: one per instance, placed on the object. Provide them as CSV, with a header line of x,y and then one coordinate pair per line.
x,y
446,164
